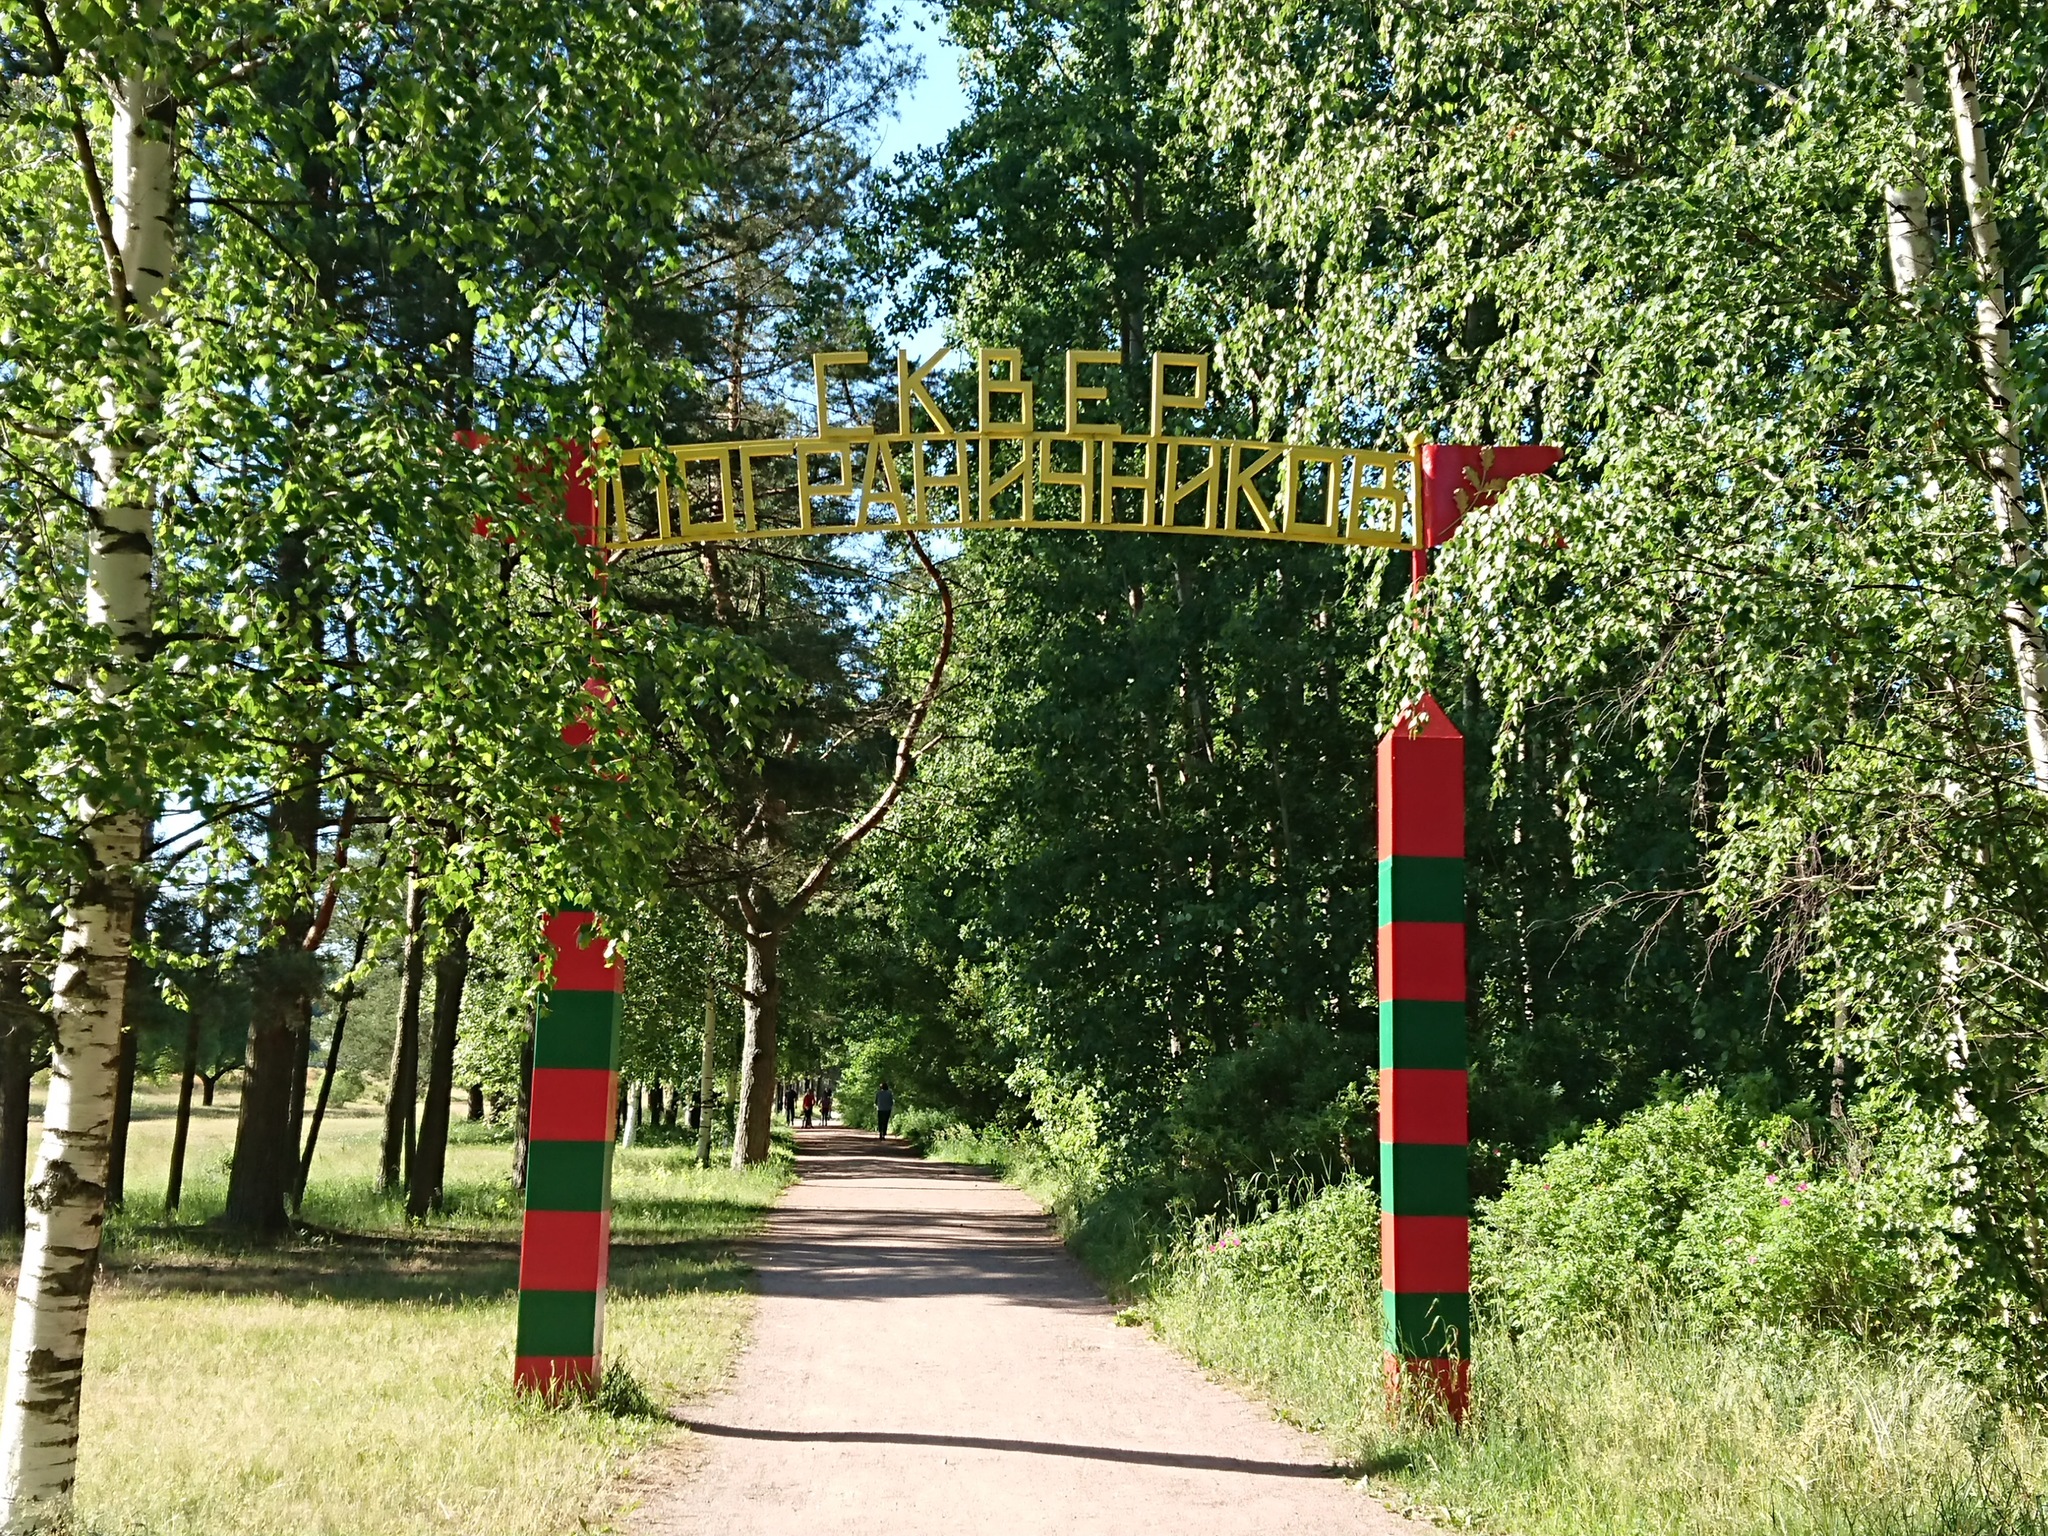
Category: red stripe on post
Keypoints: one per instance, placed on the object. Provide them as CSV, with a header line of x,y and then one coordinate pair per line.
x,y
1422,785
1445,1385
581,961
552,1375
1431,1254
565,1251
1426,1106
1422,963
573,1104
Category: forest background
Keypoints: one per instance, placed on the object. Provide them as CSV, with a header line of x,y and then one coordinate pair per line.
x,y
1071,838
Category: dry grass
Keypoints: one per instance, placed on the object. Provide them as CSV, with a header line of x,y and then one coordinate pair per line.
x,y
355,1378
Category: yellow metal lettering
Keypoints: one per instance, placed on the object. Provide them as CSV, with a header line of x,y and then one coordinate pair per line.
x,y
1082,479
1122,480
994,482
1079,394
750,455
809,491
910,389
1162,401
878,486
925,482
820,361
1143,481
1241,484
1015,387
1299,459
1207,480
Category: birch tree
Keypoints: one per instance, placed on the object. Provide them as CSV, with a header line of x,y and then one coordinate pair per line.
x,y
1756,268
127,183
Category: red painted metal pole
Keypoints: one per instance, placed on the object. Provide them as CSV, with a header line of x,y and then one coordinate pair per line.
x,y
1425,1192
565,1239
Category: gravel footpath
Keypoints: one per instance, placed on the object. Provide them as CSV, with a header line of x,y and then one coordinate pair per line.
x,y
927,1359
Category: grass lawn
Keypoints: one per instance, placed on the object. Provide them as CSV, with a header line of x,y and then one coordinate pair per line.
x,y
355,1379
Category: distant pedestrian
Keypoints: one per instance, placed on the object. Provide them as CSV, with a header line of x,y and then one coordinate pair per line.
x,y
885,1101
789,1104
825,1106
810,1100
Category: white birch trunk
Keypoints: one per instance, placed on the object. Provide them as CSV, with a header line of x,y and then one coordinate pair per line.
x,y
1907,235
632,1130
67,1192
709,1064
1994,366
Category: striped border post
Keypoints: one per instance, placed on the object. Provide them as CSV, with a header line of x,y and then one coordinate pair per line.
x,y
565,1244
1425,1228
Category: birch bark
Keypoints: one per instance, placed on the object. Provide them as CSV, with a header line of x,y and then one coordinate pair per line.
x,y
2009,513
67,1192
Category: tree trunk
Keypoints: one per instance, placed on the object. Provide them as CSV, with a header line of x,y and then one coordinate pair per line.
x,y
265,1171
124,1089
18,1031
632,1126
66,1201
476,1102
207,1084
763,998
1994,366
1907,235
334,1042
430,1162
405,1044
174,1189
522,1114
709,1065
302,1069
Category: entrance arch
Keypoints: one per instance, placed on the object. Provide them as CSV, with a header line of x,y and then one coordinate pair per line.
x,y
1094,475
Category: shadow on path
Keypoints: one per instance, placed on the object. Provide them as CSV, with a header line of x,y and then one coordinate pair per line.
x,y
1023,1447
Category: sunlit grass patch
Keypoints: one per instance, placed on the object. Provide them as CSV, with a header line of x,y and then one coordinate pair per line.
x,y
355,1377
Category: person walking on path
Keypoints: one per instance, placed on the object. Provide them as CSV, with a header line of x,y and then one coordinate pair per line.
x,y
884,1102
789,1105
825,1105
810,1100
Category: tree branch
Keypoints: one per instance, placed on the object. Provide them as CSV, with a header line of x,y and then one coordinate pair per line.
x,y
906,747
89,171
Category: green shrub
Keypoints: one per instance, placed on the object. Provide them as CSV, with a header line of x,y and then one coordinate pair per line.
x,y
1325,1249
1585,1237
1692,1211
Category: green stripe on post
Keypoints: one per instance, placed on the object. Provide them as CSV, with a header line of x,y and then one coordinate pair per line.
x,y
1417,1179
558,1322
1421,1325
568,1175
1417,890
1417,1034
578,1029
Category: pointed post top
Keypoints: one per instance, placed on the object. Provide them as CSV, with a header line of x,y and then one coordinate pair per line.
x,y
1427,719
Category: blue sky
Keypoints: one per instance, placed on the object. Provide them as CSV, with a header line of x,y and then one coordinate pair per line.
x,y
936,104
925,113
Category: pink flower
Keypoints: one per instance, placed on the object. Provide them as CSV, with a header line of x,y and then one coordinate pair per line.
x,y
1784,1199
1770,1178
1803,1188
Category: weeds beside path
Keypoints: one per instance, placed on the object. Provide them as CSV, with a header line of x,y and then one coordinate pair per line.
x,y
354,1379
1642,1431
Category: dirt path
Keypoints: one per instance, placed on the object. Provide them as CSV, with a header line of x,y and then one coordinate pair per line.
x,y
928,1360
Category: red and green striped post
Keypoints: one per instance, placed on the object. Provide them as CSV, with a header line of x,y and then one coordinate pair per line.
x,y
565,1244
1425,1203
